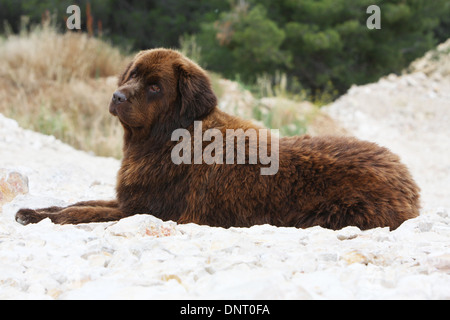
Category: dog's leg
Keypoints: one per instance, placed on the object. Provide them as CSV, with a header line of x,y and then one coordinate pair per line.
x,y
92,203
81,212
97,203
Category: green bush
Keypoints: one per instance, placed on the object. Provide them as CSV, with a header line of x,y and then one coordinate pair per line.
x,y
322,42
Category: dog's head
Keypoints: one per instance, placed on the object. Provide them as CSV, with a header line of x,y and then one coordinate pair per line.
x,y
160,89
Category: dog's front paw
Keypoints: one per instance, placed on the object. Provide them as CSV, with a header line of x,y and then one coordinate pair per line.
x,y
26,216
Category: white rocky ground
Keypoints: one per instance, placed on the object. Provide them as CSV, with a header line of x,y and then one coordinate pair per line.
x,y
142,257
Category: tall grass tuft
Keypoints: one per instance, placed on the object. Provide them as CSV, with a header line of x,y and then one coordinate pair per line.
x,y
61,84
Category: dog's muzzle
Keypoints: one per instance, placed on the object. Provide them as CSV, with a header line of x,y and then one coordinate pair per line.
x,y
117,98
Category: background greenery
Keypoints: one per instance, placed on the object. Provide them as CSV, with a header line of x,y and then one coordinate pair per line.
x,y
321,45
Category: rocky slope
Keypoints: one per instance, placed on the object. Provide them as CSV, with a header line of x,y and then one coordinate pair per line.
x,y
410,114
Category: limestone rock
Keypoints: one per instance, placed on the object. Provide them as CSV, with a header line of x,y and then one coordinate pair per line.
x,y
12,183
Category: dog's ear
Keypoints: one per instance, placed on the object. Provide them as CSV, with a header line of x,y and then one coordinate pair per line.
x,y
196,96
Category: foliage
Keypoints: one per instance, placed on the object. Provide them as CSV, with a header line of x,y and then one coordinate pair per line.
x,y
318,43
322,43
61,84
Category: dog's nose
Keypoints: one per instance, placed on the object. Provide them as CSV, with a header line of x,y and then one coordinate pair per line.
x,y
118,97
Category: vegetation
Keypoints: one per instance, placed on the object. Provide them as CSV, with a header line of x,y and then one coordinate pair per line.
x,y
321,45
61,84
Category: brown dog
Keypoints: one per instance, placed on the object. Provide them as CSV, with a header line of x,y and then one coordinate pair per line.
x,y
332,182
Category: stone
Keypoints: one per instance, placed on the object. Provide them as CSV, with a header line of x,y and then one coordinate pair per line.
x,y
440,262
12,183
348,233
442,212
142,225
425,226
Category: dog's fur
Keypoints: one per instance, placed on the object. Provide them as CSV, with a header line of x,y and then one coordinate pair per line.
x,y
331,182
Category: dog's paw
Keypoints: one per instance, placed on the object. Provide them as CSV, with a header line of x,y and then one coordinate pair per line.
x,y
26,216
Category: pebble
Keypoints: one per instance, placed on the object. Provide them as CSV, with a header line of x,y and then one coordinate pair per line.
x,y
12,183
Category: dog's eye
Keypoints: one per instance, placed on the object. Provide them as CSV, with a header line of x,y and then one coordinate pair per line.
x,y
154,88
133,74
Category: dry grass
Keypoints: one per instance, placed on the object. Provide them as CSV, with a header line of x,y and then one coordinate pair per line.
x,y
61,84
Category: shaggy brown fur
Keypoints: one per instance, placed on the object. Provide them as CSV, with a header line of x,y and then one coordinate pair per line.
x,y
332,182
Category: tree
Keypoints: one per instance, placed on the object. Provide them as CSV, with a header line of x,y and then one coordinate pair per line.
x,y
247,41
323,42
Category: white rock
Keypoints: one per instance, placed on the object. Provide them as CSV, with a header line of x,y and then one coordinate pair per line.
x,y
12,184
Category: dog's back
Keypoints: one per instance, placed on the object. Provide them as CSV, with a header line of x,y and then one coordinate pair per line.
x,y
343,181
333,182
